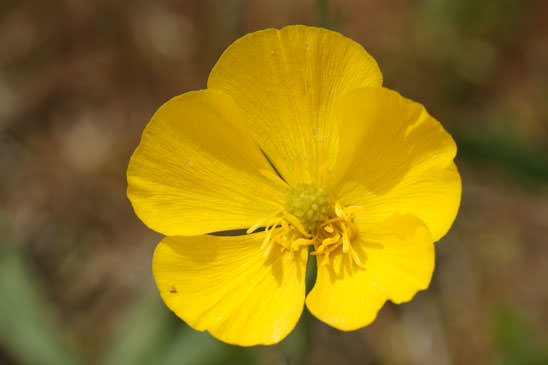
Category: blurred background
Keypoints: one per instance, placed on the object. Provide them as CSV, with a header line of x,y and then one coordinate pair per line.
x,y
80,79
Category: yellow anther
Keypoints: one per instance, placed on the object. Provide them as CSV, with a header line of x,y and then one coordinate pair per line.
x,y
330,240
297,224
266,239
339,210
356,258
328,228
267,251
345,241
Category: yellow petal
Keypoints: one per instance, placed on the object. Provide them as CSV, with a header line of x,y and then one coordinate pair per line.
x,y
196,169
345,299
397,256
286,82
396,158
229,287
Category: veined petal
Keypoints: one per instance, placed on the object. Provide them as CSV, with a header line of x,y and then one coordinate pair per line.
x,y
197,170
398,253
396,158
343,296
397,257
286,82
230,287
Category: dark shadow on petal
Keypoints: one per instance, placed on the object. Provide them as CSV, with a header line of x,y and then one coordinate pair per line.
x,y
272,165
235,232
230,232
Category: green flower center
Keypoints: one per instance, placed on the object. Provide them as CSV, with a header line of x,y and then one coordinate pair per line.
x,y
309,204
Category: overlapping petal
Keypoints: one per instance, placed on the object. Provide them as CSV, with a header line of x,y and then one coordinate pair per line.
x,y
287,82
230,287
397,255
396,158
197,170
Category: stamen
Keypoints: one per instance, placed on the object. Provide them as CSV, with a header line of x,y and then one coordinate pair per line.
x,y
266,239
339,209
345,240
356,258
294,221
329,241
309,218
267,251
262,222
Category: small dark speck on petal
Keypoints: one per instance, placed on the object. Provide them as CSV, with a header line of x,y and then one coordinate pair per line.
x,y
173,290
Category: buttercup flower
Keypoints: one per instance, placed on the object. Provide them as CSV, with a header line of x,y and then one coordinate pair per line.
x,y
296,143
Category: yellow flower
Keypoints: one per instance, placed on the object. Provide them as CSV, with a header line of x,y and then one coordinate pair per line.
x,y
296,142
